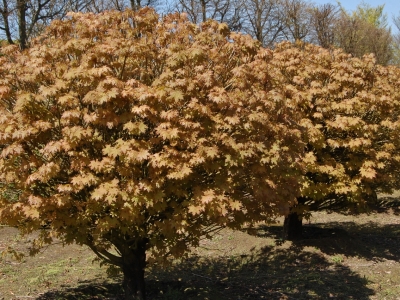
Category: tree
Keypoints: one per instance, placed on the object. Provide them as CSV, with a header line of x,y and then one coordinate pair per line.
x,y
372,15
261,20
323,22
123,131
363,32
396,43
22,20
223,11
296,19
22,17
350,122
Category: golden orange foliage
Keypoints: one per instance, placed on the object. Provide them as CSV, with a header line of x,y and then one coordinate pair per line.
x,y
350,122
119,127
123,130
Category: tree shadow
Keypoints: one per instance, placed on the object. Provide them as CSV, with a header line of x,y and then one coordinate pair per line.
x,y
269,273
86,290
370,241
386,203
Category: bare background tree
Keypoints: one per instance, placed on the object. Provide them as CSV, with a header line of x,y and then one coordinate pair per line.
x,y
21,20
362,31
261,20
226,11
323,21
296,16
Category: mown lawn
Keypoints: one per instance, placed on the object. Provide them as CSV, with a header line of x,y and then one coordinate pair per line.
x,y
341,257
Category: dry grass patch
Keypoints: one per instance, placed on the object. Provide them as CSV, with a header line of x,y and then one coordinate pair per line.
x,y
341,257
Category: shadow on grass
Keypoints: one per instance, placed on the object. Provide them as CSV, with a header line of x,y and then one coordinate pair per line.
x,y
386,203
267,274
370,241
86,290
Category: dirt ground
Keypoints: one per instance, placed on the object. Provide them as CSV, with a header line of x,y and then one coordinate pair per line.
x,y
341,257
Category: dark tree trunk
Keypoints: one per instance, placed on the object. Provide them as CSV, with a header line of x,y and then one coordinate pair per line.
x,y
134,263
136,5
204,10
21,8
5,14
293,227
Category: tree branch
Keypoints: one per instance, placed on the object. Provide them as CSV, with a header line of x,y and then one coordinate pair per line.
x,y
104,254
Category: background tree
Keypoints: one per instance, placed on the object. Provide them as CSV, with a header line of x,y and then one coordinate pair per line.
x,y
396,42
120,131
323,23
261,20
372,15
21,20
351,120
360,32
364,31
224,11
296,16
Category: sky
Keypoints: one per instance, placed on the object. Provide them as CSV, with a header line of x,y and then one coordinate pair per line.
x,y
392,7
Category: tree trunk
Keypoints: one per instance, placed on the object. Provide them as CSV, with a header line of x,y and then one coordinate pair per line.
x,y
5,14
21,8
204,10
293,227
134,263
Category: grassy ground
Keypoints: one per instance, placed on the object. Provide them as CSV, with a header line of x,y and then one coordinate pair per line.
x,y
341,257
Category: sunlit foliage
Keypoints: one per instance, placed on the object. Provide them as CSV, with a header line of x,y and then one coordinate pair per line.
x,y
122,131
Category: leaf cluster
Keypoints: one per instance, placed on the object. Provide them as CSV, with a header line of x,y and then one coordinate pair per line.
x,y
350,123
121,127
